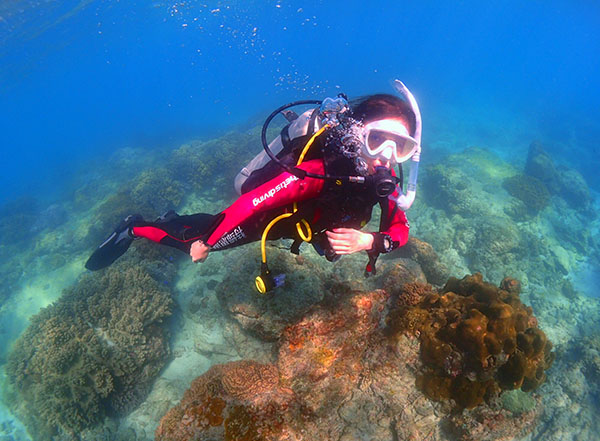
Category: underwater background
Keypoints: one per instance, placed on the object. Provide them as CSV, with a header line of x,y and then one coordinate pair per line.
x,y
115,107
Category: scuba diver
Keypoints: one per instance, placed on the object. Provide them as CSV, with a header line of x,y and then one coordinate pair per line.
x,y
317,182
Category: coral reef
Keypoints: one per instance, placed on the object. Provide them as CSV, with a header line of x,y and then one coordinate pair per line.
x,y
344,376
450,189
17,219
562,181
111,211
307,283
92,353
150,194
423,253
346,371
495,245
529,190
541,166
575,190
486,424
394,275
464,184
518,402
241,400
505,236
213,164
572,396
413,293
156,188
51,217
573,230
476,340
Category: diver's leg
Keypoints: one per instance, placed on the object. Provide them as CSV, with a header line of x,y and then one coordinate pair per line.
x,y
170,229
176,231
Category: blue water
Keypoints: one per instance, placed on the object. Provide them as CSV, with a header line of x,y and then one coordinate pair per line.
x,y
82,78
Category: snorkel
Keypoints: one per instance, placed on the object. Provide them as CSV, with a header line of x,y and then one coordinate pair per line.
x,y
405,200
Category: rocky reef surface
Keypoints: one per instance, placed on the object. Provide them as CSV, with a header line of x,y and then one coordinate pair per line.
x,y
483,214
349,369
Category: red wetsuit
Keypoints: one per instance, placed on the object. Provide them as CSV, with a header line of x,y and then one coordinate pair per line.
x,y
245,220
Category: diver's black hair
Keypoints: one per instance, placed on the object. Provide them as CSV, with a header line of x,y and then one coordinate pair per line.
x,y
382,106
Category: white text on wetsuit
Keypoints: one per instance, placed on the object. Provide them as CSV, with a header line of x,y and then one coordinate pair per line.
x,y
271,192
229,238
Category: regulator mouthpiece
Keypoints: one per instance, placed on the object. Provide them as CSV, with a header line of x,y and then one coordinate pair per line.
x,y
383,182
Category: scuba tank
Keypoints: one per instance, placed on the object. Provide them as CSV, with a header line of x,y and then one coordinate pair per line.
x,y
258,169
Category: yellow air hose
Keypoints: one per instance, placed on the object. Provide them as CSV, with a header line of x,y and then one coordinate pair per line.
x,y
261,284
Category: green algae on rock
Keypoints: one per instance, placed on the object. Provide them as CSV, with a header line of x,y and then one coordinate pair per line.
x,y
267,315
517,401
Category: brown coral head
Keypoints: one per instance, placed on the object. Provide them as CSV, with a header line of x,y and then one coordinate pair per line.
x,y
532,322
246,380
412,293
479,338
511,285
512,373
453,364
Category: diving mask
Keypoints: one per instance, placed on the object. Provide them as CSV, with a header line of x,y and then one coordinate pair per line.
x,y
389,139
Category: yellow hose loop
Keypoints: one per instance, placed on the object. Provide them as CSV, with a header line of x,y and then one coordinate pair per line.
x,y
305,237
263,240
309,143
260,285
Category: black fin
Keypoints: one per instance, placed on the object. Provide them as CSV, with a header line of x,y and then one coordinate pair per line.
x,y
114,246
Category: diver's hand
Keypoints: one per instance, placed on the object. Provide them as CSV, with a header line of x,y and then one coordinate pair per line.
x,y
199,251
349,240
